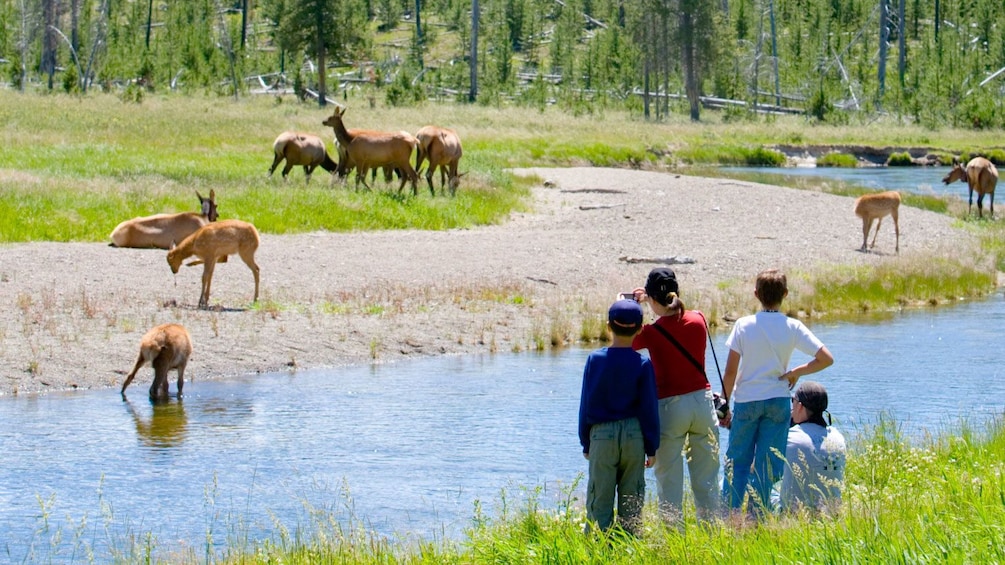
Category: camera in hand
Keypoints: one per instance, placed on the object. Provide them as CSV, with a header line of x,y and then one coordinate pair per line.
x,y
721,405
627,296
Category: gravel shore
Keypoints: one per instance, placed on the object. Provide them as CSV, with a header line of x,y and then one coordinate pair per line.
x,y
73,313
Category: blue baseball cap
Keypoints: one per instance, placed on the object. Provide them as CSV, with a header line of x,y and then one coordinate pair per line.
x,y
625,313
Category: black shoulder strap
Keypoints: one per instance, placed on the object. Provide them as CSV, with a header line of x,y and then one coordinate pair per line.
x,y
697,365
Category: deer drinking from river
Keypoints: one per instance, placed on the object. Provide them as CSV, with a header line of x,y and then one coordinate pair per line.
x,y
166,347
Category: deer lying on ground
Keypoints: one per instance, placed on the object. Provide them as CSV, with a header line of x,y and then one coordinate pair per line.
x,y
980,175
871,207
366,149
213,243
301,149
442,147
166,347
163,230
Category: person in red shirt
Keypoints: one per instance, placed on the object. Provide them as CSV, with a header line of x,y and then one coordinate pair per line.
x,y
688,424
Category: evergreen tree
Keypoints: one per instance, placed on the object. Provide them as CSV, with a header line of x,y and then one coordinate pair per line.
x,y
320,29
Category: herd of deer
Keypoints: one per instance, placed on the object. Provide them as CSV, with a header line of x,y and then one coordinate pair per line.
x,y
366,150
168,346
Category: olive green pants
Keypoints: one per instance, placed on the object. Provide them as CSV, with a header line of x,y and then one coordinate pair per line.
x,y
617,469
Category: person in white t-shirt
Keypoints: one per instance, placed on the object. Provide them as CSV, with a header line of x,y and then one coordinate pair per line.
x,y
815,456
758,380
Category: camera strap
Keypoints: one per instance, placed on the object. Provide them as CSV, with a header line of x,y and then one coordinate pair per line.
x,y
687,355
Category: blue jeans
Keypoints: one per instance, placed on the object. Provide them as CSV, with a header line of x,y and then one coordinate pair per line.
x,y
756,452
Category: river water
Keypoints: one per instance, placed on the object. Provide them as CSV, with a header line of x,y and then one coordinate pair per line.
x,y
406,449
919,180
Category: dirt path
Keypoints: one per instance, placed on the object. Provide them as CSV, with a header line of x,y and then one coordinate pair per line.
x,y
73,314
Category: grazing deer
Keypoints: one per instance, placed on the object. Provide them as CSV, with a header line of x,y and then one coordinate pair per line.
x,y
442,147
981,175
370,149
301,149
166,347
212,243
163,230
871,207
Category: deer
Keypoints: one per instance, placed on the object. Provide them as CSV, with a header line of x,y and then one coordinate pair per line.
x,y
166,347
981,175
301,149
876,206
163,230
442,146
213,243
365,149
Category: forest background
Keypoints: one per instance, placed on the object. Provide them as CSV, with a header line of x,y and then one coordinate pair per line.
x,y
934,64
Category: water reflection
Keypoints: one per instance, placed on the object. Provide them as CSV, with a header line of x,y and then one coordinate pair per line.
x,y
164,427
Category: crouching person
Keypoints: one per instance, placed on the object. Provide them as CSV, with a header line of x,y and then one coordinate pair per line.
x,y
618,424
815,454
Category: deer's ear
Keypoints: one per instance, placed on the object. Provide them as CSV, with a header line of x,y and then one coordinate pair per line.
x,y
173,245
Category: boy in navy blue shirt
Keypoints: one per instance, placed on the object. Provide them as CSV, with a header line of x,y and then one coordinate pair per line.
x,y
618,423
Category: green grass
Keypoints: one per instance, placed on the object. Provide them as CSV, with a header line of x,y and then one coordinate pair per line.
x,y
837,160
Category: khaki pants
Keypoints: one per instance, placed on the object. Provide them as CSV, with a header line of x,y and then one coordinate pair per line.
x,y
617,463
688,426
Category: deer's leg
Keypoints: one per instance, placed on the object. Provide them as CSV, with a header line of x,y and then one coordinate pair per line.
x,y
207,278
879,222
429,180
159,387
275,163
308,169
866,225
970,202
980,204
409,174
287,168
248,256
181,376
991,198
361,176
896,229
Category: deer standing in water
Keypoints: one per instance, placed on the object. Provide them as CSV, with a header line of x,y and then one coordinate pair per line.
x,y
981,175
876,206
166,347
213,243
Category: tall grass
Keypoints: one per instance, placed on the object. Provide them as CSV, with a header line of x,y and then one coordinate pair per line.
x,y
937,499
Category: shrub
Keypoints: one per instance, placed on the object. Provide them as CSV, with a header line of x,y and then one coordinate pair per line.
x,y
902,159
837,160
762,157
